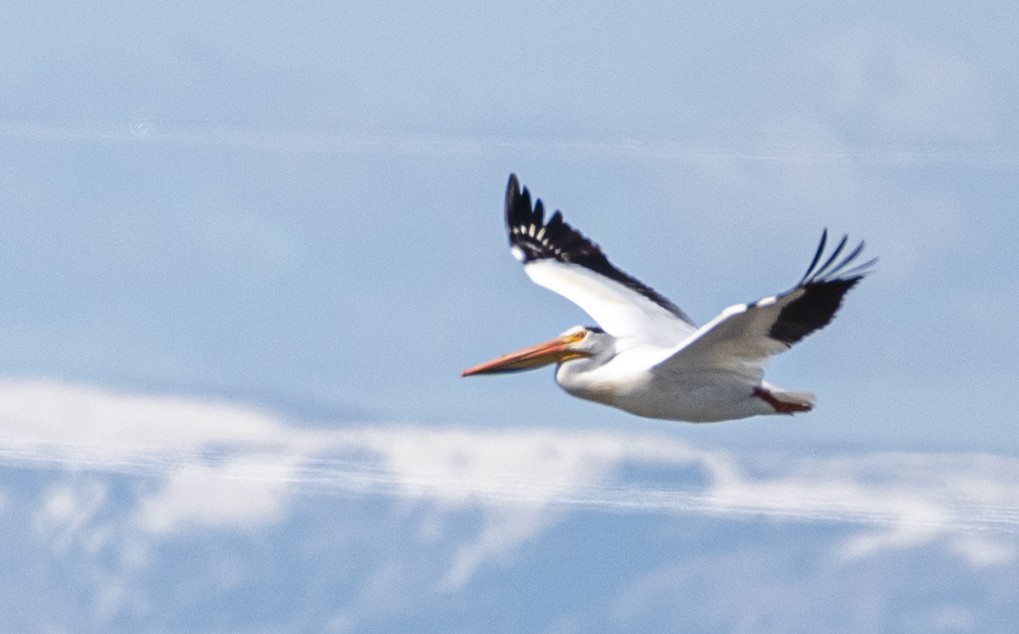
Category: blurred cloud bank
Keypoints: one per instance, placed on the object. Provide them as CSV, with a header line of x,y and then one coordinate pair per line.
x,y
123,477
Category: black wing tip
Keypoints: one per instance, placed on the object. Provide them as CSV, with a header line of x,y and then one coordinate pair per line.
x,y
538,237
521,214
833,268
513,193
812,311
823,287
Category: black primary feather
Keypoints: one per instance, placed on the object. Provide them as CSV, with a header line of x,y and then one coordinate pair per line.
x,y
823,290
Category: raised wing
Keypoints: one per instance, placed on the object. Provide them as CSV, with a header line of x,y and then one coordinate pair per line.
x,y
741,339
560,258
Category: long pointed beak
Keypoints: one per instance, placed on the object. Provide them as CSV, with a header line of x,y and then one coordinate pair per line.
x,y
551,351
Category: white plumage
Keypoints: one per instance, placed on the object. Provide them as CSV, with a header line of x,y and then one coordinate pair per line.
x,y
647,357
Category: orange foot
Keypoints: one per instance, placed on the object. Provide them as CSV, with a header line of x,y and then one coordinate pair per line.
x,y
782,407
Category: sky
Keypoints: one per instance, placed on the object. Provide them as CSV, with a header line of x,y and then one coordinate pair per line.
x,y
248,248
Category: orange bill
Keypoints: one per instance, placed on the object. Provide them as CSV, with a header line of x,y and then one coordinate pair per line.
x,y
552,351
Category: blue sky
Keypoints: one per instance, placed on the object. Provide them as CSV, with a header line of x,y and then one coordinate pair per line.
x,y
248,248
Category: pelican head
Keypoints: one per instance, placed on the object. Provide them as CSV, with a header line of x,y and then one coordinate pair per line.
x,y
579,342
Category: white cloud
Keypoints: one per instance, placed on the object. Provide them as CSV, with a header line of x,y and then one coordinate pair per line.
x,y
207,465
66,514
238,495
984,551
514,477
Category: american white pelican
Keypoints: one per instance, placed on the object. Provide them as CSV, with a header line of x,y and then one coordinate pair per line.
x,y
647,357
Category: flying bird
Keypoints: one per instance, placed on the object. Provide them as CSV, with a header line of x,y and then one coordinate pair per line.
x,y
646,356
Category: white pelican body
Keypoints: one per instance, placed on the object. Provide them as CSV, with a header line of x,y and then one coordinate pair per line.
x,y
647,357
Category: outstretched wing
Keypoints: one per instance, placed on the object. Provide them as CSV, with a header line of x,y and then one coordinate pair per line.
x,y
560,258
741,339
